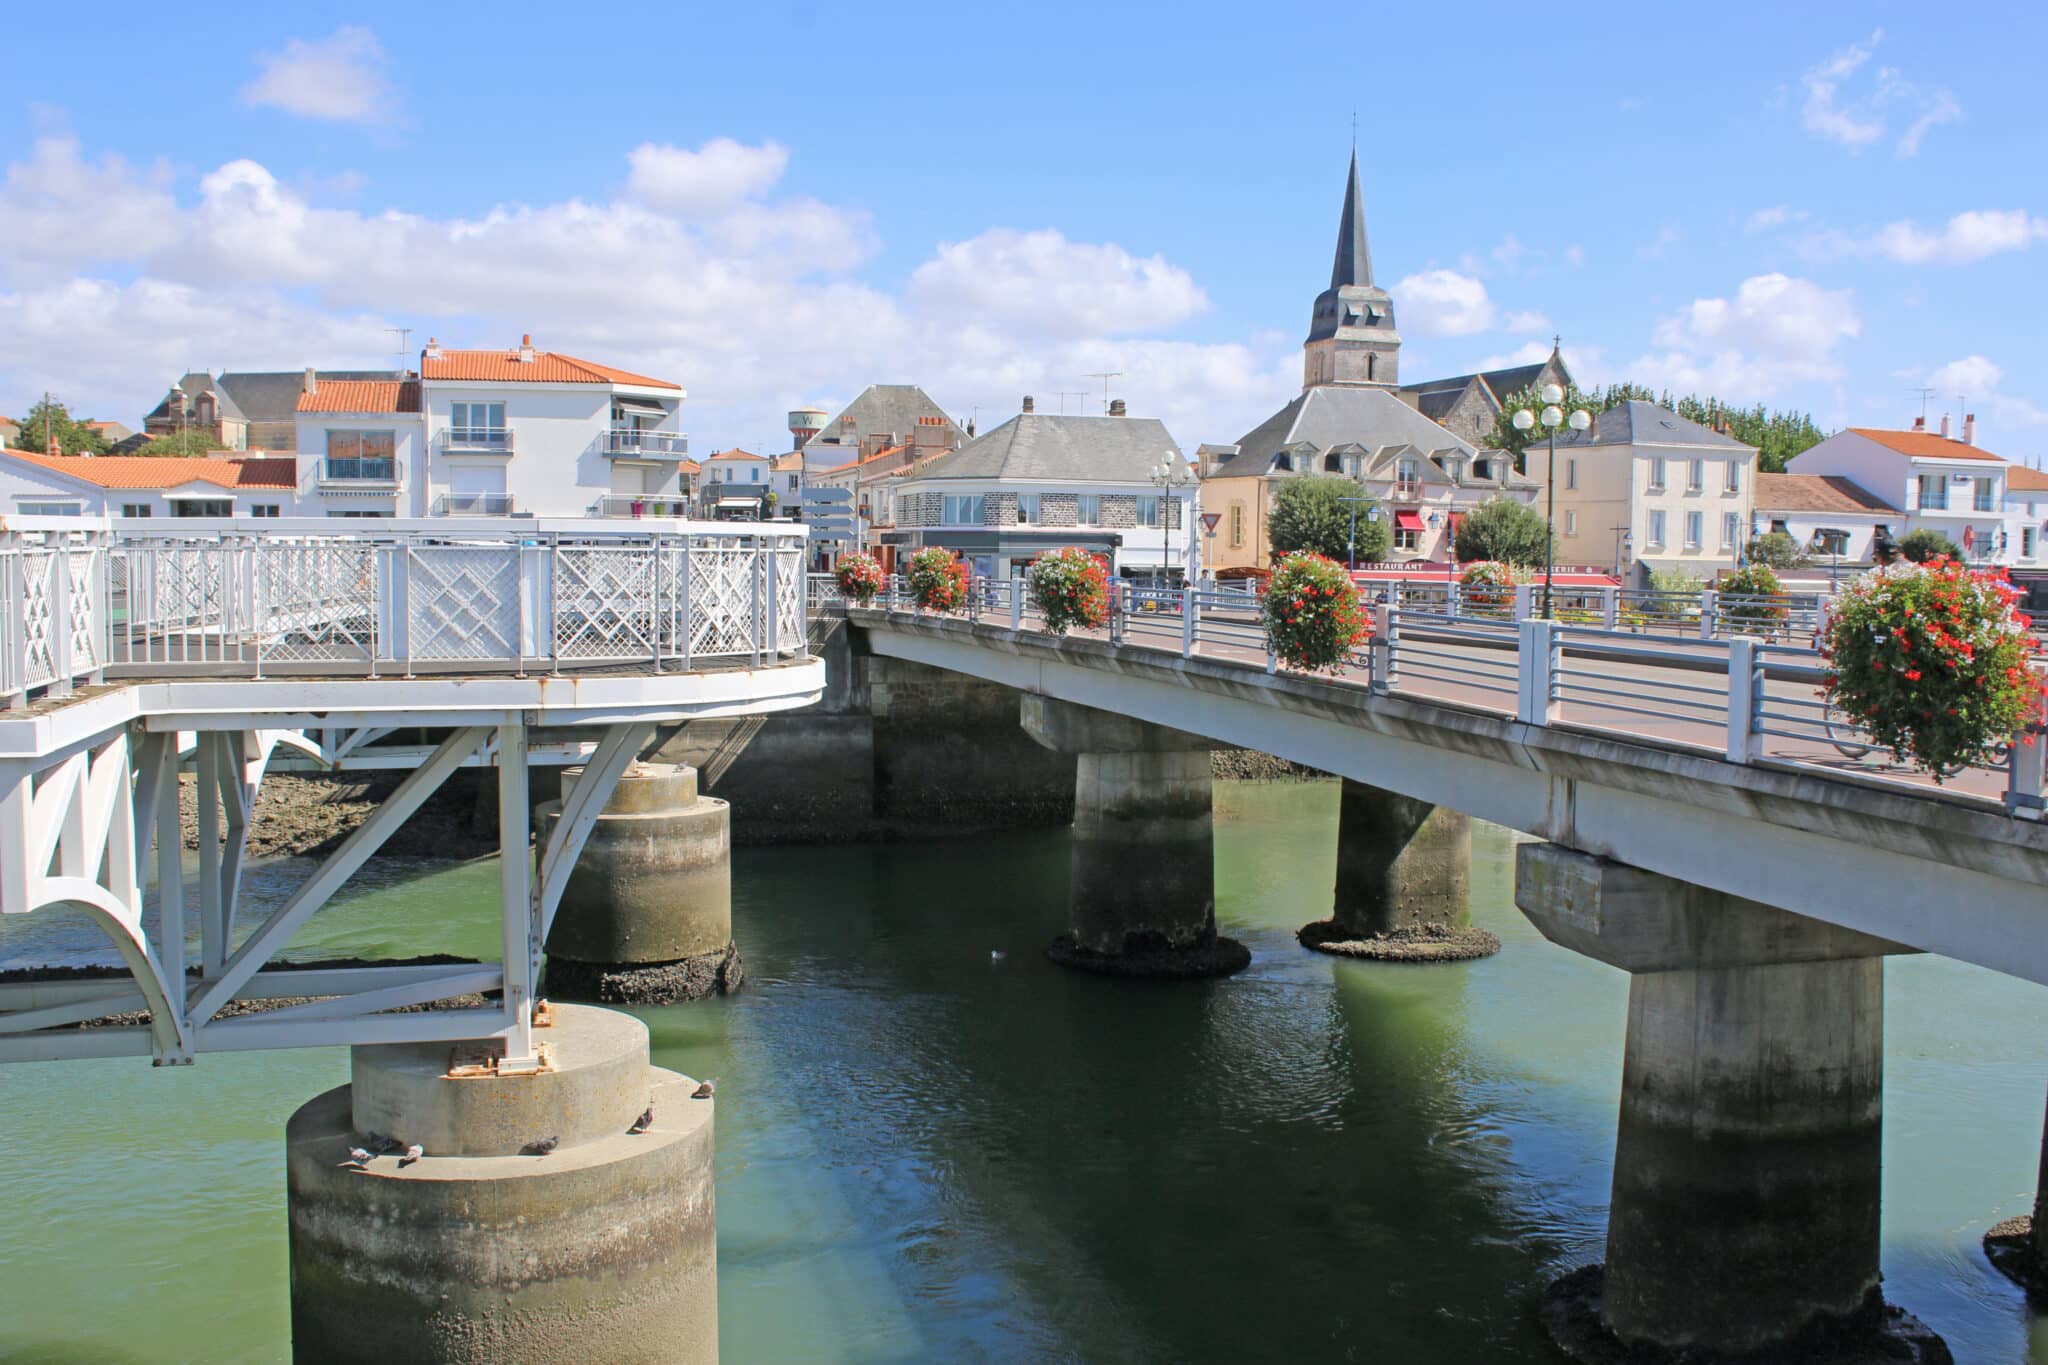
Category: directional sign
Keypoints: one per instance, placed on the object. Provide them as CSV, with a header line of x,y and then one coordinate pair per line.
x,y
819,497
1210,521
841,533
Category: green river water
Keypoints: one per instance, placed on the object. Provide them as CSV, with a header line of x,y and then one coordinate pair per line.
x,y
928,1155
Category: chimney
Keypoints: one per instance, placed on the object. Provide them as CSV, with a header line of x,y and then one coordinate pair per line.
x,y
433,349
1027,403
312,380
1116,407
1920,422
1944,426
970,428
526,349
1969,428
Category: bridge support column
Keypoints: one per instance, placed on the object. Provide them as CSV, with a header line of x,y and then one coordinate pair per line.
x,y
1143,901
1744,1216
646,917
482,1250
1404,882
2019,1246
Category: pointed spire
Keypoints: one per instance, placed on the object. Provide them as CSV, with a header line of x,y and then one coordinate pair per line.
x,y
1354,257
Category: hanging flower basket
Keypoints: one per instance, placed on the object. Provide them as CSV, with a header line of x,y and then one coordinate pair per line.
x,y
1313,613
1489,585
1752,600
1931,660
860,579
938,579
1069,588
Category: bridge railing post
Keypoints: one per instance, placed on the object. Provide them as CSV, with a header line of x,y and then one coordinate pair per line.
x,y
1187,620
60,617
1745,694
1536,693
1610,606
1016,601
1525,601
1710,602
771,629
2024,772
1380,650
1119,603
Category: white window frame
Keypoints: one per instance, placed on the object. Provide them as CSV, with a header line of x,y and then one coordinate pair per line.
x,y
475,420
1695,475
49,507
1656,528
1029,507
1656,473
1731,530
1151,511
1571,522
969,507
1571,474
1088,509
1695,528
1734,484
265,509
137,509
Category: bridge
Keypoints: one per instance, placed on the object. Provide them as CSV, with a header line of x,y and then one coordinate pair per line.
x,y
1703,823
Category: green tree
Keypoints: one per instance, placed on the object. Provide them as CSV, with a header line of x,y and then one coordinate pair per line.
x,y
73,437
1504,530
1309,513
1515,442
1775,549
1928,543
185,444
1777,436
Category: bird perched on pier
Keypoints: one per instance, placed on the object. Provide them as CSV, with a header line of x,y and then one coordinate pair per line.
x,y
644,1122
412,1154
703,1091
358,1157
543,1147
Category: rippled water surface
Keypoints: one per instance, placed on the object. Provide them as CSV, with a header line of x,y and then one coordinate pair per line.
x,y
925,1154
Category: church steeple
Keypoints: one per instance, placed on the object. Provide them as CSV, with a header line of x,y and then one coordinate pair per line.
x,y
1354,257
1351,336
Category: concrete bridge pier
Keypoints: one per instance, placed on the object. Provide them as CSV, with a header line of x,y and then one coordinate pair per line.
x,y
646,917
485,1249
1143,901
1744,1215
1404,882
2018,1247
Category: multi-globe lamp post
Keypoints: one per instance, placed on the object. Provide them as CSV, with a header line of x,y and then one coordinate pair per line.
x,y
1171,473
1552,417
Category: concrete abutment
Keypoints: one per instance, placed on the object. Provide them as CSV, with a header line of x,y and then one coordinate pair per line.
x,y
1143,900
1744,1214
1404,882
483,1250
646,917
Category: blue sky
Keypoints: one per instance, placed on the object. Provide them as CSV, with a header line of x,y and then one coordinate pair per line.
x,y
1825,210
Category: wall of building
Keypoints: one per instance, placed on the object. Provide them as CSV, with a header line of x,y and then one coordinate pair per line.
x,y
1895,478
413,497
557,467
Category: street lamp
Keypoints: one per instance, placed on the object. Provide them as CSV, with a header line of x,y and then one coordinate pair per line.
x,y
1552,418
1170,473
1351,545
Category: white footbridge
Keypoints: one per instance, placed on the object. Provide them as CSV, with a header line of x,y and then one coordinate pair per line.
x,y
130,654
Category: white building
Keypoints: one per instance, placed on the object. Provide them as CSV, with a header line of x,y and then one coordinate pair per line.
x,y
1830,517
736,486
786,477
1940,483
37,485
2026,506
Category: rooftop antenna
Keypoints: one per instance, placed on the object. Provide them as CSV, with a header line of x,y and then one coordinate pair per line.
x,y
1065,394
404,348
1105,376
1925,394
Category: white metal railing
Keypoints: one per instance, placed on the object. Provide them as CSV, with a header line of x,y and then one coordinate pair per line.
x,y
1744,685
663,444
358,469
478,440
633,506
80,601
474,505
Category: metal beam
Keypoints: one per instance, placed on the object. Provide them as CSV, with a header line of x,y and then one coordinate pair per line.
x,y
620,746
515,890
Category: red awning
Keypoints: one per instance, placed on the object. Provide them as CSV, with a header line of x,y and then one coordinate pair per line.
x,y
1407,520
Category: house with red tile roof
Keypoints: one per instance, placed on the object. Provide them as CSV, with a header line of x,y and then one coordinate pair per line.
x,y
226,484
1828,515
1936,480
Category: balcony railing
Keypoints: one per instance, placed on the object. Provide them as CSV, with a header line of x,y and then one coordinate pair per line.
x,y
357,469
656,445
478,440
473,505
637,505
1407,491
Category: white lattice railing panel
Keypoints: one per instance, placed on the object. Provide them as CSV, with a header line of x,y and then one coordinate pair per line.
x,y
723,589
789,597
604,602
86,647
38,621
462,603
316,602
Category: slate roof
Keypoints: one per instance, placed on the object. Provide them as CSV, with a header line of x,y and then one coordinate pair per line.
x,y
546,367
1353,262
143,471
273,395
1816,493
196,383
892,408
1503,383
1928,445
1053,447
1333,415
1635,422
360,395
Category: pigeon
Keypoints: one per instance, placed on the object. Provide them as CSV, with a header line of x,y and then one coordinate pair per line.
x,y
357,1156
381,1145
644,1122
412,1154
544,1146
703,1091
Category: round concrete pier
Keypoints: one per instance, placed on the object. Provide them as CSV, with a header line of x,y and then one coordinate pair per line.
x,y
646,917
1404,889
603,1249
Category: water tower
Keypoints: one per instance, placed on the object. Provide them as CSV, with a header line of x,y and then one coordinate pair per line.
x,y
804,423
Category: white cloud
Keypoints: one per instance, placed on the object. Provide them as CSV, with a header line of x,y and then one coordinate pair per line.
x,y
1966,237
1041,283
1777,330
715,176
58,210
1860,118
1976,380
1575,255
1775,216
1525,322
1658,248
1443,303
1588,364
340,77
